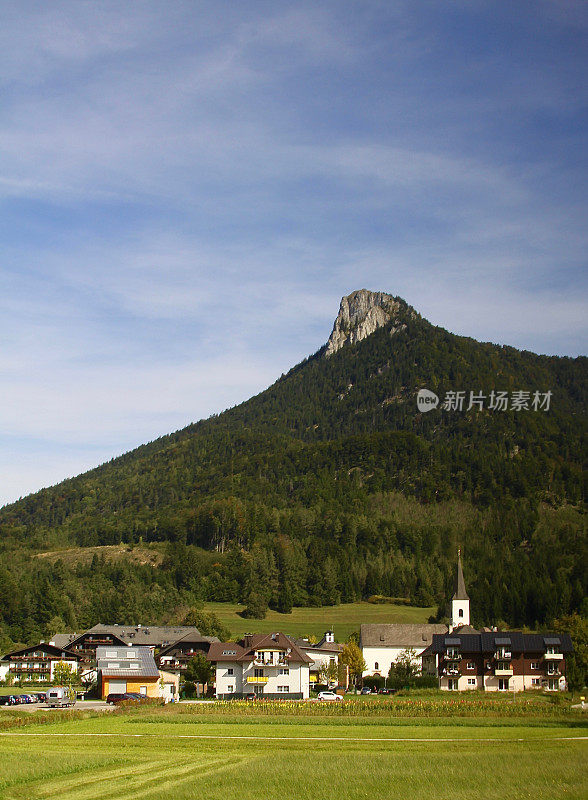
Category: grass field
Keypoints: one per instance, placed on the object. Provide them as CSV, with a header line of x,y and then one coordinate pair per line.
x,y
343,619
180,753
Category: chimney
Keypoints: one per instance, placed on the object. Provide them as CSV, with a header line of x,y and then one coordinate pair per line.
x,y
329,636
247,640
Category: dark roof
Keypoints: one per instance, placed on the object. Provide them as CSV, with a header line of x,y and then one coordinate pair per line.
x,y
460,590
45,647
245,648
149,635
203,643
398,635
488,642
321,647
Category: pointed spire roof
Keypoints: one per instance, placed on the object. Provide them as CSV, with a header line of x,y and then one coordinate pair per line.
x,y
460,590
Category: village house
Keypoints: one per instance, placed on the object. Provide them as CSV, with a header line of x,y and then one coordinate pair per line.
x,y
38,662
498,660
176,657
154,637
323,654
267,665
128,669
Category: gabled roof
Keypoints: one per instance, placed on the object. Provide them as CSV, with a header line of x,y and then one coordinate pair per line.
x,y
45,647
398,635
321,647
149,635
203,641
488,643
244,650
123,657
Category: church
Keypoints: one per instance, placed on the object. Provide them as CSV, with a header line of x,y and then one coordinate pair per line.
x,y
381,644
463,658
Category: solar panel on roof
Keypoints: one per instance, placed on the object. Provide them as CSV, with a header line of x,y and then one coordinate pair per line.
x,y
452,641
504,640
548,640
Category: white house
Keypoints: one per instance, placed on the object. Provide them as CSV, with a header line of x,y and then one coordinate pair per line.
x,y
324,653
268,665
381,644
38,662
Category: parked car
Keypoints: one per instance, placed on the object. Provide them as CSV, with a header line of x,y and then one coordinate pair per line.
x,y
116,697
384,691
329,696
7,700
250,696
40,697
366,690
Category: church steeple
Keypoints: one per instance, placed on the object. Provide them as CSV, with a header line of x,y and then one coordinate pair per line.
x,y
460,590
460,603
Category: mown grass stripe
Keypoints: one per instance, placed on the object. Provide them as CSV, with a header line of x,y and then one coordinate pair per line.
x,y
224,737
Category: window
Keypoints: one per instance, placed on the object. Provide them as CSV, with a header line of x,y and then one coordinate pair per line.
x,y
461,612
283,689
113,665
230,671
471,681
230,689
258,673
284,671
471,665
376,665
534,665
503,684
452,685
535,681
111,654
229,652
552,684
134,666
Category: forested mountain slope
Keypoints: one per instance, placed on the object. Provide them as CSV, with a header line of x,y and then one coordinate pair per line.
x,y
332,485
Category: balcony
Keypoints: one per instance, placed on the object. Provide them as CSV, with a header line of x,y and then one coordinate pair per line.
x,y
503,672
24,668
260,662
553,656
503,655
452,655
257,679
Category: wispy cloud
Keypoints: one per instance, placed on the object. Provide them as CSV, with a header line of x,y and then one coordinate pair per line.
x,y
188,189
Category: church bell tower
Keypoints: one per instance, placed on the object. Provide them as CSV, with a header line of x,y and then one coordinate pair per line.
x,y
460,602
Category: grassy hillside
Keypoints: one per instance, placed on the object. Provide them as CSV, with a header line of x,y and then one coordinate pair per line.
x,y
343,619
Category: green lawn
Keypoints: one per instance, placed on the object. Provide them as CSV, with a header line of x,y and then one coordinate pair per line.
x,y
157,754
343,619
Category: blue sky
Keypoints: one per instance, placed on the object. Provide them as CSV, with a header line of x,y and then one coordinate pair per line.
x,y
187,189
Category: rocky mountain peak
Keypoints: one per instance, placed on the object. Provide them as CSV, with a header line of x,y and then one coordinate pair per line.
x,y
360,314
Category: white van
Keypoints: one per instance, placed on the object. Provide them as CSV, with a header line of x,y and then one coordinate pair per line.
x,y
60,697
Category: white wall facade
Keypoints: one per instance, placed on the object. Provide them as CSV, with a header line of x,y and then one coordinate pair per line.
x,y
279,680
379,659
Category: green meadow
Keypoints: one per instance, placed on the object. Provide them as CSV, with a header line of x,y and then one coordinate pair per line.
x,y
376,751
343,619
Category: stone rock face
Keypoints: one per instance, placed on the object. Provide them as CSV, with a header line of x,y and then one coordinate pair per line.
x,y
360,314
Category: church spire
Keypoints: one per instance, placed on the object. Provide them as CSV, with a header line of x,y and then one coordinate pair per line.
x,y
460,590
460,603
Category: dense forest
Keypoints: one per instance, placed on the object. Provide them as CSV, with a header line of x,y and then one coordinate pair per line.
x,y
329,486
